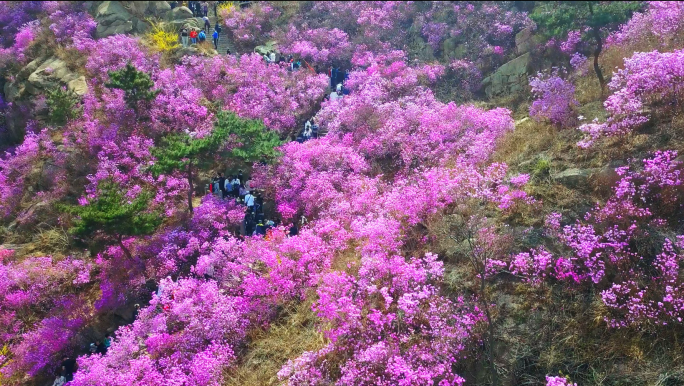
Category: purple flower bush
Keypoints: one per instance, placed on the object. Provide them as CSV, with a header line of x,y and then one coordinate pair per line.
x,y
648,79
555,99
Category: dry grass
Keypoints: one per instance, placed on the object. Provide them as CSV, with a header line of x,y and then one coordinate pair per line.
x,y
527,140
293,334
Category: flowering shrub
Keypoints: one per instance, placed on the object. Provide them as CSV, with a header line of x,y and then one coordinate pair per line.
x,y
253,89
662,20
555,99
381,323
40,309
647,79
318,46
639,287
174,340
250,26
73,29
558,381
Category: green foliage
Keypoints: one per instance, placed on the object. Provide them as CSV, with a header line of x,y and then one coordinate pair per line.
x,y
541,168
137,85
113,214
250,140
61,103
557,18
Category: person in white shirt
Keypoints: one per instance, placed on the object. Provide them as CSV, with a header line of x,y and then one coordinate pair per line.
x,y
335,96
249,200
273,57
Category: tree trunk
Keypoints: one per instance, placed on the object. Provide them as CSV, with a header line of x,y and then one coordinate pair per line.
x,y
597,51
123,248
190,186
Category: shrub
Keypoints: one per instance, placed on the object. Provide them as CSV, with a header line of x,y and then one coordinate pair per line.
x,y
62,106
649,79
164,37
555,99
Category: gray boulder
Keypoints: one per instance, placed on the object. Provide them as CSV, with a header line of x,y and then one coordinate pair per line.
x,y
112,18
574,177
181,13
524,41
510,78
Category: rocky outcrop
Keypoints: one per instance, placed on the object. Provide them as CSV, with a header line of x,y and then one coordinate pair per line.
x,y
524,41
118,17
112,18
574,178
510,78
44,73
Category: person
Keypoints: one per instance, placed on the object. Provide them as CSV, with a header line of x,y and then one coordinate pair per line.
x,y
216,4
92,349
307,133
307,124
193,36
249,200
184,37
215,38
107,341
303,220
207,24
217,35
68,368
242,192
59,381
236,186
205,9
136,310
335,96
228,51
222,185
202,36
260,229
273,57
294,231
228,186
339,88
240,176
100,348
314,128
259,203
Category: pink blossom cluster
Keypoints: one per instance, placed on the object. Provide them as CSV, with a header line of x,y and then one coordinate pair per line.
x,y
73,29
558,381
318,46
254,89
41,309
639,287
555,99
662,20
251,26
569,45
647,79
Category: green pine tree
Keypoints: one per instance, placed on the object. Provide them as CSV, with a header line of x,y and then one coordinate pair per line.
x,y
137,85
114,215
61,104
556,18
248,141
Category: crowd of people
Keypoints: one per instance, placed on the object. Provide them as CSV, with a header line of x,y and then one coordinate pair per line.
x,y
190,35
237,187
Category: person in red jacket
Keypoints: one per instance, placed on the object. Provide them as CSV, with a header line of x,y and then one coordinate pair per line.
x,y
193,36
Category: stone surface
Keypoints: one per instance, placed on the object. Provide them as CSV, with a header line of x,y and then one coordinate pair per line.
x,y
112,18
574,177
523,41
510,78
138,8
181,13
34,79
159,8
